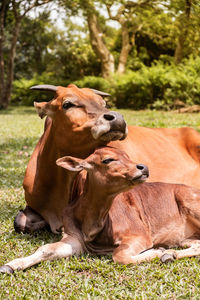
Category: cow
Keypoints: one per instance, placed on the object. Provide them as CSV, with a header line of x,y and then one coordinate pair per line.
x,y
77,123
117,212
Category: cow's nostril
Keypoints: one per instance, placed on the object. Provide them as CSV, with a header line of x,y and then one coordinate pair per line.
x,y
143,168
140,167
109,117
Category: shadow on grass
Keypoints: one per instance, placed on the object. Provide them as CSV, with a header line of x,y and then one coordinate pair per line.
x,y
18,110
14,156
9,210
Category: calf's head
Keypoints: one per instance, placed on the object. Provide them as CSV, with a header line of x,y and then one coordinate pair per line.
x,y
81,115
109,169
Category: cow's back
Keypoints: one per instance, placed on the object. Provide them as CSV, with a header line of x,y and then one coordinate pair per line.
x,y
171,154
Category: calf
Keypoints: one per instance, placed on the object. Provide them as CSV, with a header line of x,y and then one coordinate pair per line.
x,y
132,225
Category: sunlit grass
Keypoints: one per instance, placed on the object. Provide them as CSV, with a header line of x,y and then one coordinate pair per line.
x,y
85,277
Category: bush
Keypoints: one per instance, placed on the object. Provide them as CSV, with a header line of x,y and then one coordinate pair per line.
x,y
94,82
22,95
98,83
158,86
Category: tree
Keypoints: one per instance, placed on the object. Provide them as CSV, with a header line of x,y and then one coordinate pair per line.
x,y
123,16
12,13
128,16
186,13
33,50
184,21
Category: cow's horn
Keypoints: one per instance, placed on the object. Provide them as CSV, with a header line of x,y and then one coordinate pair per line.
x,y
45,87
100,93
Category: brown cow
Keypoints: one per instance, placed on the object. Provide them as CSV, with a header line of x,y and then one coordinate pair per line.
x,y
78,123
132,225
172,154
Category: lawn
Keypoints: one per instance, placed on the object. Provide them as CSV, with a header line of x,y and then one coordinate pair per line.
x,y
85,277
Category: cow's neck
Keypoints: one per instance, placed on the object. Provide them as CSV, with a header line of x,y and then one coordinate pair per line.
x,y
92,209
49,191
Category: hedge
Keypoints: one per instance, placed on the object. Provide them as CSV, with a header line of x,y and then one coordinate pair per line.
x,y
158,86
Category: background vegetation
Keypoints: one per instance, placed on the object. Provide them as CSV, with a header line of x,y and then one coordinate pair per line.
x,y
85,277
145,53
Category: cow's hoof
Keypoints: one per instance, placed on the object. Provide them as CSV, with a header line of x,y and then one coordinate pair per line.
x,y
167,258
6,269
162,249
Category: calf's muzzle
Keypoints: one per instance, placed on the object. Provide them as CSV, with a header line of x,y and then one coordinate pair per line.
x,y
140,175
144,169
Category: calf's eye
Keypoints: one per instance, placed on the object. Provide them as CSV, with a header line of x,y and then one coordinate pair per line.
x,y
107,160
67,105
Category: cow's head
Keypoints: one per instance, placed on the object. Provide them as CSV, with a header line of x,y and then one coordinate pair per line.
x,y
81,114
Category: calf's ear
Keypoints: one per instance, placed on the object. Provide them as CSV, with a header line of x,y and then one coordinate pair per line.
x,y
73,164
43,109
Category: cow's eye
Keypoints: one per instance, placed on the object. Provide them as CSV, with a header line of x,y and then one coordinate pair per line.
x,y
67,105
107,160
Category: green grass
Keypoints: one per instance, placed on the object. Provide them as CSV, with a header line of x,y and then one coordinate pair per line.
x,y
85,277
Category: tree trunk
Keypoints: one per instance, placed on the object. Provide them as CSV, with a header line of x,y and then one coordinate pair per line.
x,y
99,46
6,73
184,22
2,20
9,81
126,47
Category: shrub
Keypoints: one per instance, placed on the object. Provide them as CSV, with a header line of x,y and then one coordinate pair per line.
x,y
158,86
22,95
98,83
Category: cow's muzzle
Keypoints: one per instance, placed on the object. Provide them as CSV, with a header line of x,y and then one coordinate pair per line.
x,y
110,126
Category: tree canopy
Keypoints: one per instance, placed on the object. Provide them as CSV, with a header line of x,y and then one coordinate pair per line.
x,y
110,37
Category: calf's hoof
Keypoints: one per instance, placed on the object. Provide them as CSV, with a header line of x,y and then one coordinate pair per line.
x,y
167,258
6,269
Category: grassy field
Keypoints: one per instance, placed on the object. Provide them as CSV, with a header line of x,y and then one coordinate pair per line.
x,y
85,277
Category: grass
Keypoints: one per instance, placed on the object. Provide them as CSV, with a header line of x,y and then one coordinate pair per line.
x,y
85,277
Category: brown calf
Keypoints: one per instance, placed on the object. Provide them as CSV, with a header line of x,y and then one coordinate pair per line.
x,y
132,225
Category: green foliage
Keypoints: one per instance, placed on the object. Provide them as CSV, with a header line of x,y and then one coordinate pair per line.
x,y
158,86
152,80
33,49
97,83
22,95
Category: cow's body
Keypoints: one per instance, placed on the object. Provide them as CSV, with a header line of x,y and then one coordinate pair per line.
x,y
77,129
172,155
133,224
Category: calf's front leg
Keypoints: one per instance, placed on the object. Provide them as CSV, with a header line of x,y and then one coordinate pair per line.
x,y
67,247
134,250
192,250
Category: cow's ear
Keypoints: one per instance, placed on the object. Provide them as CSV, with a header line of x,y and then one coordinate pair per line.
x,y
73,164
43,109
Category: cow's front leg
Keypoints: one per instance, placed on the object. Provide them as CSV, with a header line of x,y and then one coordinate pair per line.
x,y
67,247
134,250
28,220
